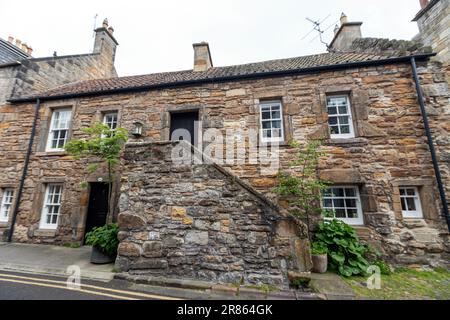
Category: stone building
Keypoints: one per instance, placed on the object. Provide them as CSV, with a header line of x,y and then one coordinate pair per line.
x,y
21,74
222,221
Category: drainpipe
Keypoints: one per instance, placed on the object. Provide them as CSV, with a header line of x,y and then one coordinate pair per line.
x,y
430,144
25,169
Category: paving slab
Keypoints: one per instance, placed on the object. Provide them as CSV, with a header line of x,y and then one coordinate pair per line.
x,y
47,259
331,286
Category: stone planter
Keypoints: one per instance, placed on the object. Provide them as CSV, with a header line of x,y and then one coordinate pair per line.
x,y
320,263
98,257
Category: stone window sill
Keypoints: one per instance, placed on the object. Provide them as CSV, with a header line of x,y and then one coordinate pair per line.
x,y
51,153
4,224
268,144
44,233
344,142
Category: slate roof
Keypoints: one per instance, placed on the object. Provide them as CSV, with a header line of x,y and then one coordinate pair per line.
x,y
10,53
215,74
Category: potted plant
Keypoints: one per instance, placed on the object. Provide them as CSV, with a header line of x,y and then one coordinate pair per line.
x,y
319,257
104,243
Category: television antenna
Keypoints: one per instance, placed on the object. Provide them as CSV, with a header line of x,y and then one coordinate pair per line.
x,y
95,24
317,27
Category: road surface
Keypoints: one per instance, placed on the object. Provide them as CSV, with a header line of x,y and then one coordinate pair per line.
x,y
25,286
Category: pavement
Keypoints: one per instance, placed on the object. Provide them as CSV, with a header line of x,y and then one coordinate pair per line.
x,y
47,261
51,260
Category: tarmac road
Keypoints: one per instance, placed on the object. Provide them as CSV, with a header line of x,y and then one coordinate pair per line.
x,y
25,286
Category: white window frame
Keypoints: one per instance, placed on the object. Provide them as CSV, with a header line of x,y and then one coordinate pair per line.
x,y
6,204
351,221
49,203
266,104
416,197
112,113
53,130
351,133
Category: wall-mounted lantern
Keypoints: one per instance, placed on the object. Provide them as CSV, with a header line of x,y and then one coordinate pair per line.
x,y
137,129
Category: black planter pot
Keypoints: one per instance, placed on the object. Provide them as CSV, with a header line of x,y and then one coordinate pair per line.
x,y
98,257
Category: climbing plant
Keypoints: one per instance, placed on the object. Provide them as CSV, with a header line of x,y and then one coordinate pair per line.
x,y
300,184
103,145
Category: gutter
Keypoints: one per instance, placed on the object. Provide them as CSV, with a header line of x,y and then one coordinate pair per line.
x,y
437,172
256,75
24,171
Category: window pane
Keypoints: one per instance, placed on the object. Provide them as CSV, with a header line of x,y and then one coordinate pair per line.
x,y
338,203
340,213
332,110
276,133
276,115
266,124
402,191
350,192
332,120
343,119
350,203
410,204
345,129
342,109
276,124
334,130
352,213
338,192
327,203
410,192
265,115
402,200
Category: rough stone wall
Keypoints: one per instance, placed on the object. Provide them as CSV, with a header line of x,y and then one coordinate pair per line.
x,y
41,74
390,148
6,82
195,221
434,26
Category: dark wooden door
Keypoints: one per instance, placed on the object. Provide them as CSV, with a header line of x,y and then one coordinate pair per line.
x,y
98,206
183,120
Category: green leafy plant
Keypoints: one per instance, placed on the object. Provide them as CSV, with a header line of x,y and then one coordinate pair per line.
x,y
385,269
300,185
104,238
103,145
318,247
347,256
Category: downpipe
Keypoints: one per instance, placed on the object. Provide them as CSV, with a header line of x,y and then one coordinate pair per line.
x,y
426,125
24,171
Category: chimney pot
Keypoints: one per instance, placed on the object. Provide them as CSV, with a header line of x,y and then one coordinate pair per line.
x,y
24,47
105,23
424,3
18,43
29,50
110,30
343,18
202,57
10,39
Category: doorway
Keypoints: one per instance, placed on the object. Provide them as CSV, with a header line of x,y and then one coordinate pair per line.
x,y
98,206
182,126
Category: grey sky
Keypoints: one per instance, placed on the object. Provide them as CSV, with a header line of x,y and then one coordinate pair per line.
x,y
157,36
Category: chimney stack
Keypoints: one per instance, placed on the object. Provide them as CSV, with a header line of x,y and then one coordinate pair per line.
x,y
202,57
10,39
423,3
345,34
105,43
